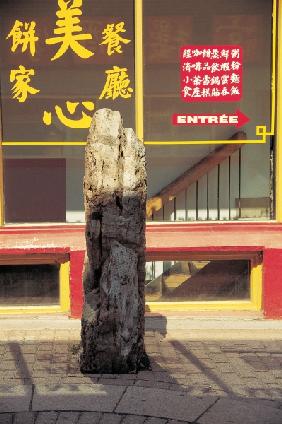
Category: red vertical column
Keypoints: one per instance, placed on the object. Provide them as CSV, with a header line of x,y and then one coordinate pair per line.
x,y
272,283
76,289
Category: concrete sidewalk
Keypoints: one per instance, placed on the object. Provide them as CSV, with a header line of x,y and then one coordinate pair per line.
x,y
208,371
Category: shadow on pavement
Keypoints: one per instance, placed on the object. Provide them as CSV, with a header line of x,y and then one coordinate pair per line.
x,y
41,372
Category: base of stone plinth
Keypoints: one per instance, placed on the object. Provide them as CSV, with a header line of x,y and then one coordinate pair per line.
x,y
116,367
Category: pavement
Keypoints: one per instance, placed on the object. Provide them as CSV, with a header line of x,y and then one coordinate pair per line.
x,y
204,371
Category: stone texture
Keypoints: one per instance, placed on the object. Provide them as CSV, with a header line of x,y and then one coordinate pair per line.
x,y
89,418
68,418
47,417
114,271
133,419
6,418
111,419
24,418
163,403
234,411
175,422
15,398
83,397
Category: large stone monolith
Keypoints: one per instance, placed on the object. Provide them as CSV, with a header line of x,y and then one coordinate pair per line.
x,y
115,188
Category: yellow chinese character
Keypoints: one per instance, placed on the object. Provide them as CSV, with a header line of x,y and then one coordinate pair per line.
x,y
21,88
68,30
113,39
117,84
83,122
23,34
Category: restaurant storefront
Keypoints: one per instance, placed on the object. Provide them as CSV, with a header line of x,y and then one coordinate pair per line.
x,y
200,84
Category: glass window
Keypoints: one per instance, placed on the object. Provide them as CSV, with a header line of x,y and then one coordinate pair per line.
x,y
74,74
240,188
50,87
170,25
29,285
44,184
170,281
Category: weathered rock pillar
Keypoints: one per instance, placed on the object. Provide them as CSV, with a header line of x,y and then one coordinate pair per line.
x,y
115,188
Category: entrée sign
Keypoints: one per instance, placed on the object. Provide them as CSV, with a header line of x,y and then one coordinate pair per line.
x,y
237,119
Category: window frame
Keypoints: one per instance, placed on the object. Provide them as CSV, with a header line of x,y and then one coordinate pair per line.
x,y
41,259
254,303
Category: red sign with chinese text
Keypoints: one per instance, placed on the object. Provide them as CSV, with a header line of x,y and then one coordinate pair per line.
x,y
211,73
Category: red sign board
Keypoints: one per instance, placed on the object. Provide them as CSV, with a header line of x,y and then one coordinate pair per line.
x,y
211,73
